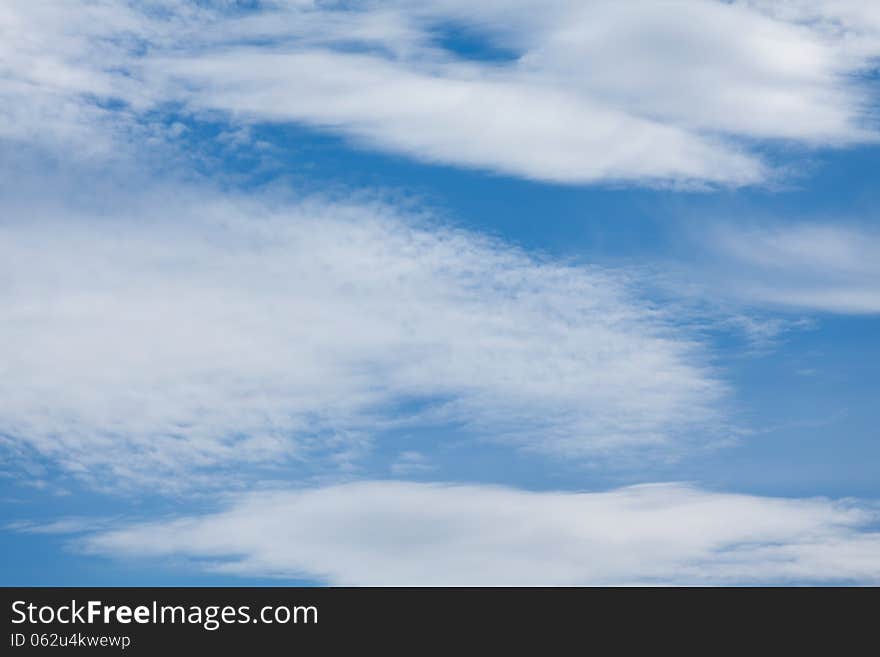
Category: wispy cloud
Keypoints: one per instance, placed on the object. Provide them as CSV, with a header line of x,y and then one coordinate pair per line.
x,y
673,92
826,267
384,533
77,525
411,463
459,114
155,336
162,334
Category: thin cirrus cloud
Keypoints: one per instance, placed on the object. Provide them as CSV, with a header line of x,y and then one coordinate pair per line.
x,y
384,533
825,267
671,93
162,338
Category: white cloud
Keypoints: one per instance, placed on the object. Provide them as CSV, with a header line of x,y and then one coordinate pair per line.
x,y
150,338
812,266
704,64
395,533
460,115
59,64
671,92
73,525
409,463
854,22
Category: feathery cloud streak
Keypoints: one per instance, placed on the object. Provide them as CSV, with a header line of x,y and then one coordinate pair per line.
x,y
811,266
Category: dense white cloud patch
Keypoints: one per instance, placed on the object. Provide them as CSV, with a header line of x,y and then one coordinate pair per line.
x,y
387,533
811,266
154,337
664,92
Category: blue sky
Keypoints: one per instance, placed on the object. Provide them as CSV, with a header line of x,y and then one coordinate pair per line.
x,y
435,293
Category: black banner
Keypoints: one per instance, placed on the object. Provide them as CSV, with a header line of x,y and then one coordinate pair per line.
x,y
162,621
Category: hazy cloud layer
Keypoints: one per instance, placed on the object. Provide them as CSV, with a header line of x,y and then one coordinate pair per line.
x,y
386,533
